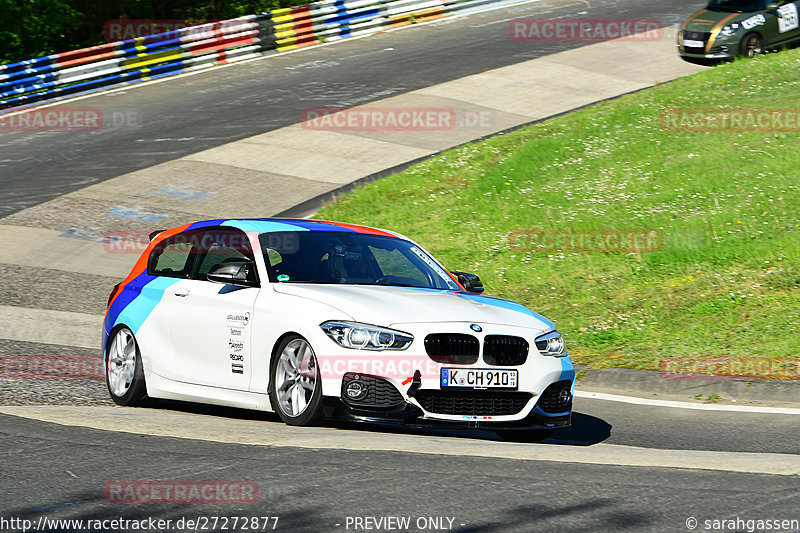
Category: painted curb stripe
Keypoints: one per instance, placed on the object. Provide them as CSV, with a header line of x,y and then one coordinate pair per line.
x,y
686,405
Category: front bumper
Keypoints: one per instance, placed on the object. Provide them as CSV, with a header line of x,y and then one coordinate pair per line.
x,y
714,53
405,387
715,45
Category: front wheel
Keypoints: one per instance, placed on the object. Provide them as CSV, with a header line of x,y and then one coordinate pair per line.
x,y
295,387
752,45
124,370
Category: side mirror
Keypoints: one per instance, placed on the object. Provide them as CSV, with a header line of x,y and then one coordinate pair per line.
x,y
470,282
235,272
772,6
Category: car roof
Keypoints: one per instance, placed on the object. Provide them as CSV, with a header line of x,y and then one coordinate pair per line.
x,y
272,225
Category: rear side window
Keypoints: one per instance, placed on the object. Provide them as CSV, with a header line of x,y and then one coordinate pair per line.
x,y
171,257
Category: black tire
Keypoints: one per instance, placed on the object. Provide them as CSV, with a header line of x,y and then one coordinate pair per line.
x,y
133,392
752,45
525,435
307,367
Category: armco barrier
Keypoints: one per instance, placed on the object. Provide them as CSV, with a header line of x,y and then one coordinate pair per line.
x,y
199,47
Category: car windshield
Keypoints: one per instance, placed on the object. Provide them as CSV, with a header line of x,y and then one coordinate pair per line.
x,y
737,6
350,258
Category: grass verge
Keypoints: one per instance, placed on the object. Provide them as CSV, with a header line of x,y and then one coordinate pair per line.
x,y
724,280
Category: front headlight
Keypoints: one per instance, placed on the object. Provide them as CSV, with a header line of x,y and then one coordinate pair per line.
x,y
366,337
729,30
552,344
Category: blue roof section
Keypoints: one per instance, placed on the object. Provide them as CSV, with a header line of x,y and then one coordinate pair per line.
x,y
264,225
271,225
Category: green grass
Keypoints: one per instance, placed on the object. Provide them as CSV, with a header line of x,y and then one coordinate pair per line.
x,y
725,283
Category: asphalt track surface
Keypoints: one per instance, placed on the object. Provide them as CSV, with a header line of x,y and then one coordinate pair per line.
x,y
315,490
59,471
183,116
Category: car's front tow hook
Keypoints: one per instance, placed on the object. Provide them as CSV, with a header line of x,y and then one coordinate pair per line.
x,y
416,383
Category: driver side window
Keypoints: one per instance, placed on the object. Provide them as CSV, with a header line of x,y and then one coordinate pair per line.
x,y
220,246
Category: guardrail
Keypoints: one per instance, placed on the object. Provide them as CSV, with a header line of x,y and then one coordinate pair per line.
x,y
207,45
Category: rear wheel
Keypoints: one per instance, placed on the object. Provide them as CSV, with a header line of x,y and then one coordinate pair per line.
x,y
752,45
295,389
124,370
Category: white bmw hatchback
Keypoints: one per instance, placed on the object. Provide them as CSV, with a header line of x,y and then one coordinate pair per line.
x,y
315,319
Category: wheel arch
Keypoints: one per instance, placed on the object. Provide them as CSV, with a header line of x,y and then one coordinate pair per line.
x,y
138,393
118,326
109,337
274,352
747,35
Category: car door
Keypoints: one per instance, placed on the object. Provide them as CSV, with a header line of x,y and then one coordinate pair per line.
x,y
789,23
210,322
782,24
169,263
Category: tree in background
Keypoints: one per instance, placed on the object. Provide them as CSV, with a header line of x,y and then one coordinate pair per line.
x,y
33,28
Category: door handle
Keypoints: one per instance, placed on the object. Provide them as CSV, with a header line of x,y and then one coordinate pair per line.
x,y
181,292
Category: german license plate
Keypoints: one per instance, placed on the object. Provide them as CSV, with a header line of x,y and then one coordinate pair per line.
x,y
479,378
694,44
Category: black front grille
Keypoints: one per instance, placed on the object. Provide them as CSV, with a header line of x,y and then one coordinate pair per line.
x,y
472,403
505,350
696,35
557,398
452,348
380,393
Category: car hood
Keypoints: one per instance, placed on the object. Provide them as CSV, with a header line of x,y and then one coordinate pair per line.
x,y
394,306
704,21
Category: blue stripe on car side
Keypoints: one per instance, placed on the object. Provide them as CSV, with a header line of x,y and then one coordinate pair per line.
x,y
567,371
127,296
140,308
131,293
